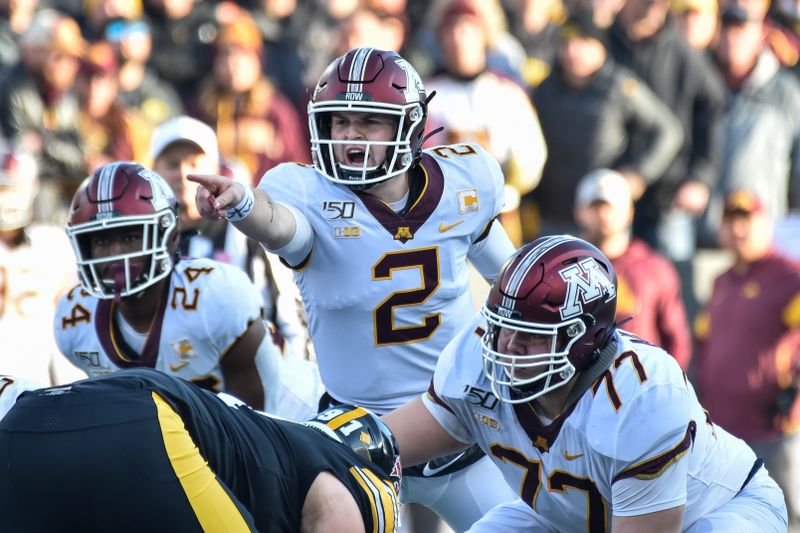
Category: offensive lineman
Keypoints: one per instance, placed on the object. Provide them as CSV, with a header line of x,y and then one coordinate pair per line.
x,y
597,429
379,233
139,306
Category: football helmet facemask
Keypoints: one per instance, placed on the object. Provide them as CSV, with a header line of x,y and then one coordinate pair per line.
x,y
366,80
121,196
366,434
558,287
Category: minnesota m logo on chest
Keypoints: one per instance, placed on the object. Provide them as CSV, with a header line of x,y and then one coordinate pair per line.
x,y
403,232
586,282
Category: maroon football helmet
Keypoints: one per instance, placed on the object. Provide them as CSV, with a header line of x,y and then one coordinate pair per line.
x,y
366,80
558,287
123,195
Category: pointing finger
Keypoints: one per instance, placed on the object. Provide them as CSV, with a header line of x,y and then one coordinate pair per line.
x,y
215,184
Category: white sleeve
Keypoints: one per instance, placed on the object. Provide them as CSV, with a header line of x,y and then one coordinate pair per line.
x,y
634,497
511,517
297,249
447,419
489,254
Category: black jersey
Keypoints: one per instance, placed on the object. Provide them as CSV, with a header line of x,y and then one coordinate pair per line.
x,y
268,464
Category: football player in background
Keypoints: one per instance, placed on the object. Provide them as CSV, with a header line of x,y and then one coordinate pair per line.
x,y
10,389
145,451
379,233
32,277
138,305
594,427
184,145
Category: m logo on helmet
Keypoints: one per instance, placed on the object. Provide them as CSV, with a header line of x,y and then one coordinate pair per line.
x,y
413,81
586,282
161,190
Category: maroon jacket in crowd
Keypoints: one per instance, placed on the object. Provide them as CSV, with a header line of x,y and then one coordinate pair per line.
x,y
748,348
649,291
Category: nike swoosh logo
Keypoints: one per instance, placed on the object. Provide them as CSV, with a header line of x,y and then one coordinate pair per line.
x,y
447,227
177,367
570,457
427,471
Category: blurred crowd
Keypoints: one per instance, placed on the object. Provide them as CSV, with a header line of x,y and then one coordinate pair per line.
x,y
652,128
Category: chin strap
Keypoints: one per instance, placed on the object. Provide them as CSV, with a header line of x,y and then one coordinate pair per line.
x,y
431,134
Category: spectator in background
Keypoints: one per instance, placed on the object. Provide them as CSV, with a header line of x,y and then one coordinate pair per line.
x,y
504,55
762,119
473,104
39,109
749,345
98,14
110,131
644,38
784,45
367,27
284,29
785,17
591,110
183,33
254,122
536,24
32,277
604,12
140,88
697,21
604,213
15,17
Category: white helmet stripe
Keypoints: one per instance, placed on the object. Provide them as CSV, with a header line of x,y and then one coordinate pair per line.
x,y
105,188
357,69
520,271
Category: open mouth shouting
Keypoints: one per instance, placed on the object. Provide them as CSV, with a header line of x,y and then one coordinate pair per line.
x,y
354,156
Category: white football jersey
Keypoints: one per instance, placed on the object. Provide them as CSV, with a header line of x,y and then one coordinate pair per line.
x,y
384,293
206,306
636,442
10,388
33,277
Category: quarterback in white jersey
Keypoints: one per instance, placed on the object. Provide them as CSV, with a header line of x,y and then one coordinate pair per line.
x,y
596,429
138,305
379,234
406,282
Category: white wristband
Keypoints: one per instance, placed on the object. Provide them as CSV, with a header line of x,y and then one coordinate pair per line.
x,y
245,206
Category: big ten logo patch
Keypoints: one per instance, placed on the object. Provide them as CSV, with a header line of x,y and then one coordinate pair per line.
x,y
346,232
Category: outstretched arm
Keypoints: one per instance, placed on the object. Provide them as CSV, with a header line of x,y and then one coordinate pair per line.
x,y
250,209
419,435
